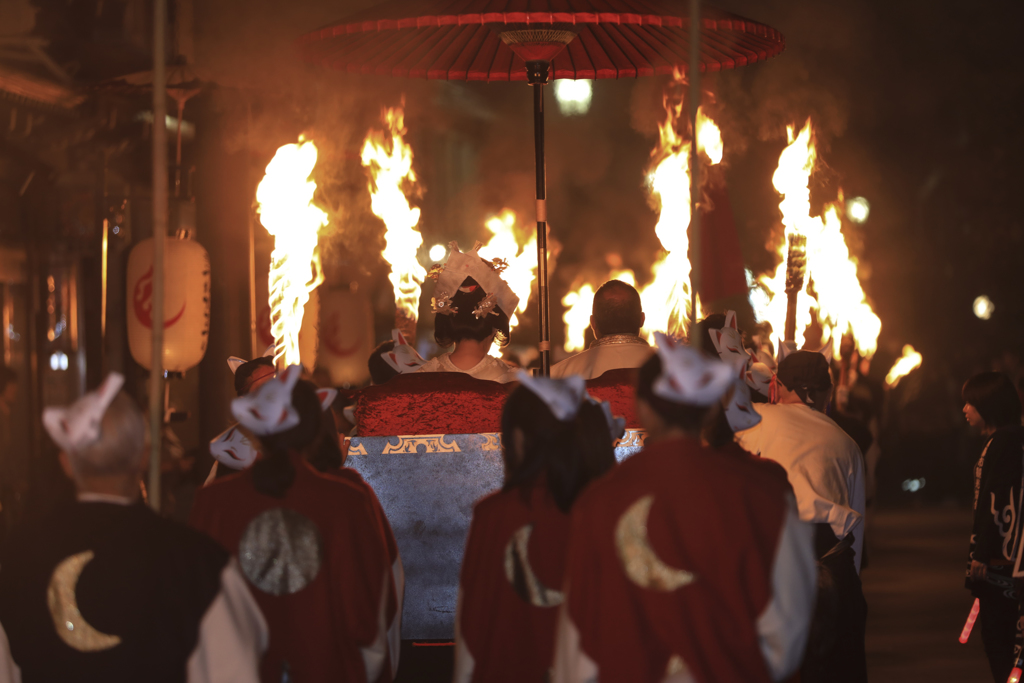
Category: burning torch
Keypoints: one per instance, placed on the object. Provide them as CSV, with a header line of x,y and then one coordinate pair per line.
x,y
796,269
285,197
388,158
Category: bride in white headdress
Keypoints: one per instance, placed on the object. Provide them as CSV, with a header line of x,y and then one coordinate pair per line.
x,y
472,305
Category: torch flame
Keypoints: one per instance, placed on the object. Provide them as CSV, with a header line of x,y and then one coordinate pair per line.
x,y
709,138
521,273
285,198
831,293
579,304
389,159
904,365
666,299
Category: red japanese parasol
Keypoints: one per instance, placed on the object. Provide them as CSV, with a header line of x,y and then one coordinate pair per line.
x,y
534,41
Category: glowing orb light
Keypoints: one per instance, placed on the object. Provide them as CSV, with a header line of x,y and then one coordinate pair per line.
x,y
983,307
59,361
858,209
438,252
574,97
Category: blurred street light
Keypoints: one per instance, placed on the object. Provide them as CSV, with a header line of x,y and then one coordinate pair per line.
x,y
574,97
438,252
858,209
983,307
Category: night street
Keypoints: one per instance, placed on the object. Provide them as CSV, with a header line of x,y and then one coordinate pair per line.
x,y
511,341
916,600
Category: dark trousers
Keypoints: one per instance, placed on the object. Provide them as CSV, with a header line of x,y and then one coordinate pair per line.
x,y
835,648
998,617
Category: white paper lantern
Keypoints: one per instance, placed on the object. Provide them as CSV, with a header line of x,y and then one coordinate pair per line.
x,y
186,303
346,335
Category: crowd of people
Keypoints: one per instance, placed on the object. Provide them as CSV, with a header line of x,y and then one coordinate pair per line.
x,y
728,549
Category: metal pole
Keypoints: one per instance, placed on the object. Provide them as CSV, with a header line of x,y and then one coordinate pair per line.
x,y
104,256
693,75
177,151
156,374
256,352
538,73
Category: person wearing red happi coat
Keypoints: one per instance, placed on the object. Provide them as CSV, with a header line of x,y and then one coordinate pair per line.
x,y
686,564
556,441
328,456
309,544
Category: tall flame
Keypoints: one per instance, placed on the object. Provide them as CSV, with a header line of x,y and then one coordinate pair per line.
x,y
666,299
389,159
831,294
285,199
521,274
904,365
522,258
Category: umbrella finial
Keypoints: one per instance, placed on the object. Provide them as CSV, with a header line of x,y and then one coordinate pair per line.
x,y
537,46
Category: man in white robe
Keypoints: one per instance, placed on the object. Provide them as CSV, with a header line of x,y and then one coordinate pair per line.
x,y
825,466
616,320
826,470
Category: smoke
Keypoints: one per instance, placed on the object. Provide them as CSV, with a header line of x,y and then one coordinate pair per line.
x,y
247,48
17,17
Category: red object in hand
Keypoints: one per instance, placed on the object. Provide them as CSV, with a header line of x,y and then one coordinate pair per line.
x,y
969,625
1015,675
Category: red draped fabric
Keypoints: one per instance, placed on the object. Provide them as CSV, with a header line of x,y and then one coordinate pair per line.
x,y
453,403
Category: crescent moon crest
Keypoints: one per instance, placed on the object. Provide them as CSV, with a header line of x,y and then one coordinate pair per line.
x,y
68,621
281,551
520,574
641,563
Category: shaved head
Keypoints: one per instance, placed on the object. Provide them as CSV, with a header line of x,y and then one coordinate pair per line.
x,y
617,309
121,446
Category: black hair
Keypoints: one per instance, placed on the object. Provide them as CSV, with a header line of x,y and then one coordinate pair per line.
x,y
617,308
274,473
809,375
7,376
568,454
449,329
243,374
690,418
994,397
380,371
715,321
718,432
326,454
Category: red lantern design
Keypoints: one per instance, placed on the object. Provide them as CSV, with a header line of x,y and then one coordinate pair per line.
x,y
346,335
186,303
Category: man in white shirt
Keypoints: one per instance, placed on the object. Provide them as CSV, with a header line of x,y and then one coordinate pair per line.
x,y
825,466
826,470
616,320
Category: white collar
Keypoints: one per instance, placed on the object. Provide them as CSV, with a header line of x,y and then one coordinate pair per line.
x,y
484,362
89,497
611,339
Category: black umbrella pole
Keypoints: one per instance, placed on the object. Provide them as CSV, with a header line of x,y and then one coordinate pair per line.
x,y
542,227
693,74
